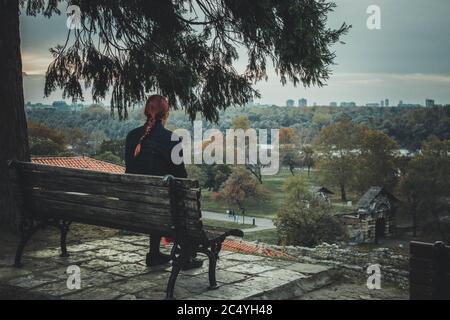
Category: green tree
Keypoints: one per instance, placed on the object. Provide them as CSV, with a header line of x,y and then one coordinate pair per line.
x,y
77,139
44,147
96,140
300,223
336,146
116,147
195,172
110,157
376,164
425,184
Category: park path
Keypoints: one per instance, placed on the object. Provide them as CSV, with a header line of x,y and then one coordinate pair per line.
x,y
261,223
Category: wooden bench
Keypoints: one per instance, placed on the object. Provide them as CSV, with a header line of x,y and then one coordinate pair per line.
x,y
167,206
429,274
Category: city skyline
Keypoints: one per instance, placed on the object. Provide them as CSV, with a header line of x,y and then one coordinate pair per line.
x,y
406,60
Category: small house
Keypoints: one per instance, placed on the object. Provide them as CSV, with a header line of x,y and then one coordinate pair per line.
x,y
376,211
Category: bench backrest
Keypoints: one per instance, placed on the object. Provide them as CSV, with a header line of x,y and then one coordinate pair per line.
x,y
429,271
131,202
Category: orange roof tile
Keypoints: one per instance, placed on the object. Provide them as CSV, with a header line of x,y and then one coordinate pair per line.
x,y
85,163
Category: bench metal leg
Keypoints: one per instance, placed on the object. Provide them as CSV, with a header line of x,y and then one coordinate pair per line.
x,y
172,280
213,256
180,256
28,229
64,227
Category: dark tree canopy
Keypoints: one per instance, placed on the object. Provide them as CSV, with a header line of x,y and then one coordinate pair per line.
x,y
186,49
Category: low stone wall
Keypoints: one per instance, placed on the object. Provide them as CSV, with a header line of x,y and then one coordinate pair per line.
x,y
394,266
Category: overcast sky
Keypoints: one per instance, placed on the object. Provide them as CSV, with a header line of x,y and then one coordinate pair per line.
x,y
408,59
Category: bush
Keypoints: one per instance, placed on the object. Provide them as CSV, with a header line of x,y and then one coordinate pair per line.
x,y
300,221
301,225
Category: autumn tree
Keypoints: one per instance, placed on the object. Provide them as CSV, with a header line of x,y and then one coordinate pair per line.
x,y
240,187
184,49
288,136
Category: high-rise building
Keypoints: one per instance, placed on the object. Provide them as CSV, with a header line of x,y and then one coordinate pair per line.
x,y
302,103
382,103
348,104
386,102
429,103
290,103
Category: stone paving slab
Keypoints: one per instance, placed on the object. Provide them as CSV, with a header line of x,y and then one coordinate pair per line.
x,y
115,269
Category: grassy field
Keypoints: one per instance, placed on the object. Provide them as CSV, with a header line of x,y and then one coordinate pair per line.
x,y
255,208
270,207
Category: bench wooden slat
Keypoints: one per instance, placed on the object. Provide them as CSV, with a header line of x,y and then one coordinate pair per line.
x,y
101,176
77,212
114,203
73,184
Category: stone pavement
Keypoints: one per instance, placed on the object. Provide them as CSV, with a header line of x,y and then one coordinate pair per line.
x,y
114,268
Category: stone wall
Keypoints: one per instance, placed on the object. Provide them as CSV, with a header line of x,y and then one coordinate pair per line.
x,y
394,266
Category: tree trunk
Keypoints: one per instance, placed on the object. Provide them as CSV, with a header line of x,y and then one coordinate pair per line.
x,y
343,194
13,126
291,169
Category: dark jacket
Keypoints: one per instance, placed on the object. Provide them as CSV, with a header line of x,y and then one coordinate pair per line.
x,y
155,157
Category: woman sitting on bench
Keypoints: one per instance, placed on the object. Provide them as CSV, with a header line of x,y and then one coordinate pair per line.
x,y
148,151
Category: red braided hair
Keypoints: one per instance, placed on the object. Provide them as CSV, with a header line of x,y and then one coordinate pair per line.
x,y
156,109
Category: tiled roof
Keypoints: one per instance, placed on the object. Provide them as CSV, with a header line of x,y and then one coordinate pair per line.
x,y
85,163
243,247
249,248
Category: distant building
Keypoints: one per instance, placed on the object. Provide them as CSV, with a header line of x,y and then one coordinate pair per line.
x,y
302,103
373,105
290,103
333,104
348,104
429,103
382,103
408,105
386,102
